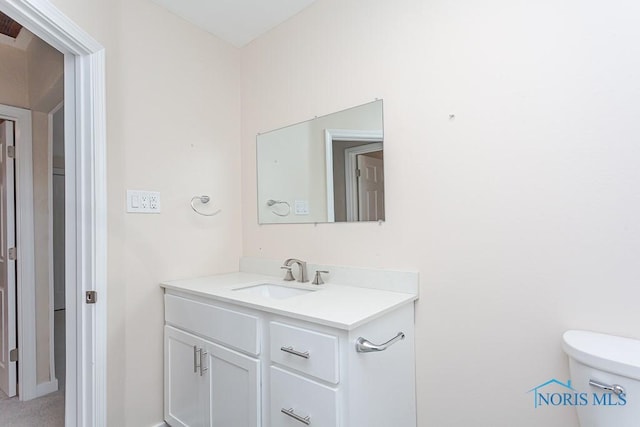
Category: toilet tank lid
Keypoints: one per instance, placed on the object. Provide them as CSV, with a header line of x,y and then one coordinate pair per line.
x,y
608,353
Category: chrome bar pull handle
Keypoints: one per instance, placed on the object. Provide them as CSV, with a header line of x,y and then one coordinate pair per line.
x,y
203,369
615,388
366,346
304,420
290,350
196,359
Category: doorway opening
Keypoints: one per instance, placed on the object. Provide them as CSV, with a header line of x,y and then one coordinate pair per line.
x,y
354,170
84,216
29,369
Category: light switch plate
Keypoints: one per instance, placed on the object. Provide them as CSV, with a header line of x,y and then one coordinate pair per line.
x,y
140,201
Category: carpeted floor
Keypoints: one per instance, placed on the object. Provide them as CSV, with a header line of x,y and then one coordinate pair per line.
x,y
46,411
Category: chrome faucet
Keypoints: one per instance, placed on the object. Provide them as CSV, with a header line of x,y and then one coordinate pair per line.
x,y
302,267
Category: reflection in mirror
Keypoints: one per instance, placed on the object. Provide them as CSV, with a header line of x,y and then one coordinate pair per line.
x,y
328,169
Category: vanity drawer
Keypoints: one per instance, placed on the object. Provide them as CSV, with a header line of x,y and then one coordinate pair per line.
x,y
229,327
306,398
307,351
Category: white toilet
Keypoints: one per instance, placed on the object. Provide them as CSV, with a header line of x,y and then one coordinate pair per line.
x,y
606,369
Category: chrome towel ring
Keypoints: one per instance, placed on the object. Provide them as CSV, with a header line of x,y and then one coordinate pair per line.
x,y
272,202
203,200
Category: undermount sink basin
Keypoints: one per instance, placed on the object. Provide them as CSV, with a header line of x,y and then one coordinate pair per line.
x,y
268,290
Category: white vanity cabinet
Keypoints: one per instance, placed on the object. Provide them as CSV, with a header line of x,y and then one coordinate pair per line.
x,y
235,358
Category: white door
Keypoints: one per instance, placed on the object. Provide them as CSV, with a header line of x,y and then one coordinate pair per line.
x,y
370,188
7,265
184,381
234,388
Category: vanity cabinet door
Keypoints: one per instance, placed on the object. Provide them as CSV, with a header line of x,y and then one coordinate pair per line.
x,y
233,393
184,386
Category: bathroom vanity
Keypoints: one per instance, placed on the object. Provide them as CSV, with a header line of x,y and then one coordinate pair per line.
x,y
248,349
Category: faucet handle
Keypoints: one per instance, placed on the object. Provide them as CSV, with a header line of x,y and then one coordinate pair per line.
x,y
317,280
288,276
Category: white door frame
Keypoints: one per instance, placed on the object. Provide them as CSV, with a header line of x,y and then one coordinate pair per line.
x,y
85,187
342,135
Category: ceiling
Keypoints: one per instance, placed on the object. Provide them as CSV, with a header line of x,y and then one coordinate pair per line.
x,y
9,27
235,21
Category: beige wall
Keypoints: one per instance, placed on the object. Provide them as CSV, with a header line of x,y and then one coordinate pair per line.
x,y
13,84
520,214
173,125
45,69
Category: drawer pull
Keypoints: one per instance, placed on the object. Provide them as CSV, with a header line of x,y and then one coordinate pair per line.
x,y
304,420
290,350
365,346
196,359
203,357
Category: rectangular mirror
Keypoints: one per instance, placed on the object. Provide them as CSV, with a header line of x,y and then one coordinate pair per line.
x,y
328,169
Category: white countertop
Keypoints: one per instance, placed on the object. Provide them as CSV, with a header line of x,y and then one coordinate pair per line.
x,y
334,305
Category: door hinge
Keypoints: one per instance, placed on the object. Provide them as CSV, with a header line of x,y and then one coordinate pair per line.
x,y
13,254
11,151
91,297
358,173
13,355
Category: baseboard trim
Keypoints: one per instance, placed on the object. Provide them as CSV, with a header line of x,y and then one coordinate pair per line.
x,y
43,389
162,424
